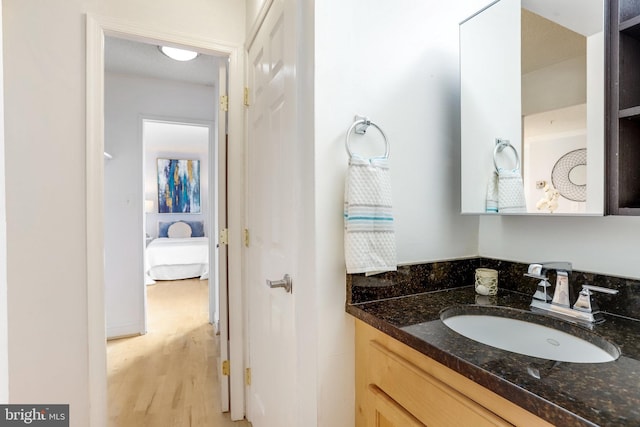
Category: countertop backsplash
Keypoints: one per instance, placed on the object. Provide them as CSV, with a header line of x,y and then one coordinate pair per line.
x,y
434,276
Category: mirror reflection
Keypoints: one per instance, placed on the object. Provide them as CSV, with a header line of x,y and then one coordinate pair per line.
x,y
554,110
557,87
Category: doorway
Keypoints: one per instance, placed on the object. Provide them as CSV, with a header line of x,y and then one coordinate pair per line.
x,y
96,31
158,111
188,147
145,93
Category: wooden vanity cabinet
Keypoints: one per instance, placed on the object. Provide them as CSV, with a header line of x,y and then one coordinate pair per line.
x,y
623,55
397,386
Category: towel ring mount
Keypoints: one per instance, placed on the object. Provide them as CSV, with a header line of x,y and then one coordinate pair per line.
x,y
501,144
360,126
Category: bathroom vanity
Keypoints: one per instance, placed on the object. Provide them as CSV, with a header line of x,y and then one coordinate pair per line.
x,y
399,386
412,370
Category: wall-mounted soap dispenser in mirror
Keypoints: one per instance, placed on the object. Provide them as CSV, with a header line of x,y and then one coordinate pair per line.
x,y
532,72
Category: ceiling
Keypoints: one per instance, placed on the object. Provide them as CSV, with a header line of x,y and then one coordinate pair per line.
x,y
584,17
545,43
146,60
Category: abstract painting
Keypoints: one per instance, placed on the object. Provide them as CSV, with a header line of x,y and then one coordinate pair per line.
x,y
178,186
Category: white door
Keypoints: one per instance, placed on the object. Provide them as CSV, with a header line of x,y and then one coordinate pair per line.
x,y
218,294
271,221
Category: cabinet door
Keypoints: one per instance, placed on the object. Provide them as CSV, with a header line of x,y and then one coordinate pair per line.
x,y
386,412
424,397
490,94
398,386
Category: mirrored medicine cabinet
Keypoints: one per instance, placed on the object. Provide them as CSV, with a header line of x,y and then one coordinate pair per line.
x,y
532,72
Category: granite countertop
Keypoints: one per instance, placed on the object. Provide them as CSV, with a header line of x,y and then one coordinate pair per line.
x,y
564,394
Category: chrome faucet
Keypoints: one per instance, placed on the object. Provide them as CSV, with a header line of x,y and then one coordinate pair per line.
x,y
585,310
561,295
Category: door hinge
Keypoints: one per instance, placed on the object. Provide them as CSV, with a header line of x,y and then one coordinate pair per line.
x,y
224,102
223,237
225,368
246,237
247,376
246,97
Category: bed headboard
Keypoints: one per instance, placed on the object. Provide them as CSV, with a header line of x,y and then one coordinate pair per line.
x,y
197,228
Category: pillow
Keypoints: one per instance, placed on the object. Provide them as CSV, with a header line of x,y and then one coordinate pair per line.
x,y
179,230
197,228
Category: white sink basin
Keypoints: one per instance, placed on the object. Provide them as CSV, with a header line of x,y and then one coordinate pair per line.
x,y
497,327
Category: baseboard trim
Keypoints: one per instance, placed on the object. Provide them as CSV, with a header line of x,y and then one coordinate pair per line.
x,y
123,331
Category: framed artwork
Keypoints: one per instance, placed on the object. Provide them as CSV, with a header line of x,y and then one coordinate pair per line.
x,y
178,186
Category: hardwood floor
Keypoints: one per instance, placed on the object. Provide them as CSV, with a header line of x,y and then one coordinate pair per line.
x,y
168,377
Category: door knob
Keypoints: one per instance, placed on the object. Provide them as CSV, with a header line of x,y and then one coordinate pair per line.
x,y
284,283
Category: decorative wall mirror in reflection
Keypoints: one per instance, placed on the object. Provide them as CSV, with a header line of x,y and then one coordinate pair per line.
x,y
532,73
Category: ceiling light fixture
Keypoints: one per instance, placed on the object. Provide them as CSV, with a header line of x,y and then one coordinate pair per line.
x,y
178,54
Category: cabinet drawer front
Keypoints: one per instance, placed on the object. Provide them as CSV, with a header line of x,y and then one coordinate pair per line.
x,y
387,412
428,399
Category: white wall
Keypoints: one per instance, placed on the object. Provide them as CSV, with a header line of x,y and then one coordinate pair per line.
x,y
413,94
540,158
547,137
606,245
555,86
4,343
128,99
44,64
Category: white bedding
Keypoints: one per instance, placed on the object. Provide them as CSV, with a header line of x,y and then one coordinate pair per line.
x,y
177,258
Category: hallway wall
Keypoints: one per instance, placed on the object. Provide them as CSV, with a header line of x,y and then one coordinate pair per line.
x,y
44,64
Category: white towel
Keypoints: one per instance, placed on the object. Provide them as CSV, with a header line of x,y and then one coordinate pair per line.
x,y
369,237
492,193
510,191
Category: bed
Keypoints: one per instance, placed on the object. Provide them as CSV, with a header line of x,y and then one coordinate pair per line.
x,y
180,252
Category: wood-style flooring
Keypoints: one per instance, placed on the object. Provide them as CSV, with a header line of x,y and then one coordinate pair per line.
x,y
168,377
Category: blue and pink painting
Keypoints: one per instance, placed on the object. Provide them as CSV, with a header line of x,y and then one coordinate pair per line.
x,y
178,186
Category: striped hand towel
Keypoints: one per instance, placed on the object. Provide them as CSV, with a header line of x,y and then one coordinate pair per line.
x,y
369,237
492,193
510,191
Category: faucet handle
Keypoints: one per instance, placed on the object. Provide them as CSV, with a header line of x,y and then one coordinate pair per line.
x,y
600,289
558,266
586,302
536,271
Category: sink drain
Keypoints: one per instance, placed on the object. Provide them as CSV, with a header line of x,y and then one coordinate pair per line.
x,y
553,342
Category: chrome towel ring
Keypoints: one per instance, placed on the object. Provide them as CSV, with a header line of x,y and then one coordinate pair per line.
x,y
360,126
501,144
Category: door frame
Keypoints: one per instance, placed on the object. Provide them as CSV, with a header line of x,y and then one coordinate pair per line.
x,y
213,194
96,28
